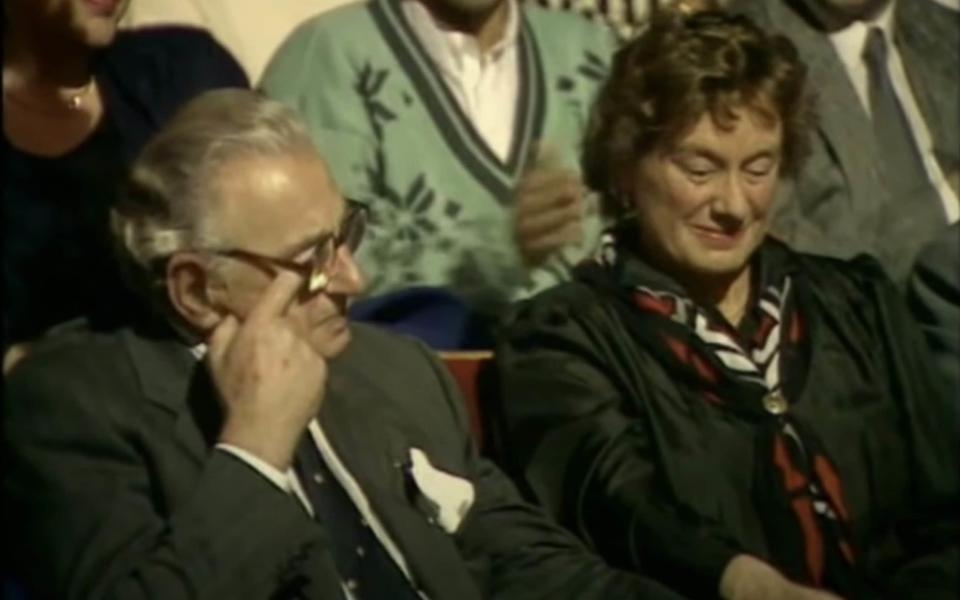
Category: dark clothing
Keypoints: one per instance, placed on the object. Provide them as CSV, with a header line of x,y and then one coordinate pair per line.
x,y
58,262
358,554
629,452
933,295
57,258
116,491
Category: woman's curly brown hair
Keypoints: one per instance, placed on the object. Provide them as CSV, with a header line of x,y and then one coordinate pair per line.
x,y
682,67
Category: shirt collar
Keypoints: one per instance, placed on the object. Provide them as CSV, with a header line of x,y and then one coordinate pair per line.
x,y
445,45
850,40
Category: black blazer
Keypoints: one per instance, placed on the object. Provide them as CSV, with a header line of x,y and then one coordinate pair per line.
x,y
623,448
114,490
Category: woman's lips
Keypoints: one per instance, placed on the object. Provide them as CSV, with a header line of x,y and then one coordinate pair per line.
x,y
102,8
718,238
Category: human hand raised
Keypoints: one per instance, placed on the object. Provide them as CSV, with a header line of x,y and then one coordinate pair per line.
x,y
270,380
548,208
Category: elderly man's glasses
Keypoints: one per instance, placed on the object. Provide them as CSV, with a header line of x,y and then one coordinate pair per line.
x,y
320,267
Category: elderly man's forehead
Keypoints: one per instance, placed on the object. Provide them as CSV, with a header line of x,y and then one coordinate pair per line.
x,y
274,196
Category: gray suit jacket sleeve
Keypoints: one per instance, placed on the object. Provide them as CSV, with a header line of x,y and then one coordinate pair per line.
x,y
934,297
514,550
87,522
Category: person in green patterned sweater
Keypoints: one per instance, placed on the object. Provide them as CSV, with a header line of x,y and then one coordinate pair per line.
x,y
458,122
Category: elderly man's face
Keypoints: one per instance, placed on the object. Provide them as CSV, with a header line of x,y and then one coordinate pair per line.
x,y
274,207
703,202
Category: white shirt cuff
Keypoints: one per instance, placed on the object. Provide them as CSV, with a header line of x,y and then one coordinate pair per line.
x,y
283,480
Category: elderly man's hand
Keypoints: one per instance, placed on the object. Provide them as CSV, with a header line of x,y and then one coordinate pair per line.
x,y
749,578
548,209
270,379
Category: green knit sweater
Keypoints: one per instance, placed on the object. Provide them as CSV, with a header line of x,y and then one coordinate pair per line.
x,y
396,138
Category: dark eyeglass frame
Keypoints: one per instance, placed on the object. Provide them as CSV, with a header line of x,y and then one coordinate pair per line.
x,y
321,266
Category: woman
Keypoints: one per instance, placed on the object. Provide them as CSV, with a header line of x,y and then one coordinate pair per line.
x,y
79,100
703,404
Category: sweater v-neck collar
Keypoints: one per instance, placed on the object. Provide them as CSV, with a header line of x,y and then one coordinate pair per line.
x,y
458,131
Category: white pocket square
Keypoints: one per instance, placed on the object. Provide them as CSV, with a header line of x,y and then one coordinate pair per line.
x,y
449,496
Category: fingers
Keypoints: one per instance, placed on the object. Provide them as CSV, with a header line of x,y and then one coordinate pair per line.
x,y
221,338
277,297
561,215
541,190
545,156
536,250
548,213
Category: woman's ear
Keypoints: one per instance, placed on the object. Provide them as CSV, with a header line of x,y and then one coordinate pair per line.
x,y
191,291
625,181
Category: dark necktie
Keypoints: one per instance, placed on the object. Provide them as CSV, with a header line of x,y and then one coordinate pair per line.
x,y
362,562
889,119
917,211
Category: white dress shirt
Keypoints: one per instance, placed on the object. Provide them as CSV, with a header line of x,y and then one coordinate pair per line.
x,y
485,84
289,483
849,44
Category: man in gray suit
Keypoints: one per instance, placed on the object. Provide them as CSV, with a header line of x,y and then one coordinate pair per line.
x,y
882,177
252,443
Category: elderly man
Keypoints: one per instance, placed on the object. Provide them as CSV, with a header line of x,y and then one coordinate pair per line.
x,y
883,174
459,122
252,443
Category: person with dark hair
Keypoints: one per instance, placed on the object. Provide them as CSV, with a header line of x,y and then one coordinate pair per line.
x,y
703,403
79,100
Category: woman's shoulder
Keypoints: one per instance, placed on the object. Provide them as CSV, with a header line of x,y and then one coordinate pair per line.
x,y
565,309
858,285
189,51
164,38
861,272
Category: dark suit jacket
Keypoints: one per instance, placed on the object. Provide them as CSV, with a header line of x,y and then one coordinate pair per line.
x,y
842,204
934,298
114,490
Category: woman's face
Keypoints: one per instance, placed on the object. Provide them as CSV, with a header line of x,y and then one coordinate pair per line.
x,y
92,23
703,202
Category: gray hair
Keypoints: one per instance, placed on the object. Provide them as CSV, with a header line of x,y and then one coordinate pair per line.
x,y
165,206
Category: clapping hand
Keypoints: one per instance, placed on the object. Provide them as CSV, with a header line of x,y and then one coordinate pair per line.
x,y
548,208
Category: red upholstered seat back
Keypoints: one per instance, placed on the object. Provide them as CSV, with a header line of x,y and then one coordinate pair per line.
x,y
466,368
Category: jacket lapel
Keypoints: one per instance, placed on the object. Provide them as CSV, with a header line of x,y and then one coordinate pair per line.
x,y
928,39
369,439
177,383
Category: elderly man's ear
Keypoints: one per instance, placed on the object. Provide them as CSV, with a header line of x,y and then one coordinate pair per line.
x,y
193,292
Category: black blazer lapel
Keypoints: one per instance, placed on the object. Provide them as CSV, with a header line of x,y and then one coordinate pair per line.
x,y
369,439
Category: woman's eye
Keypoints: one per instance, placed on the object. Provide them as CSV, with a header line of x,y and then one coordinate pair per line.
x,y
697,171
760,168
